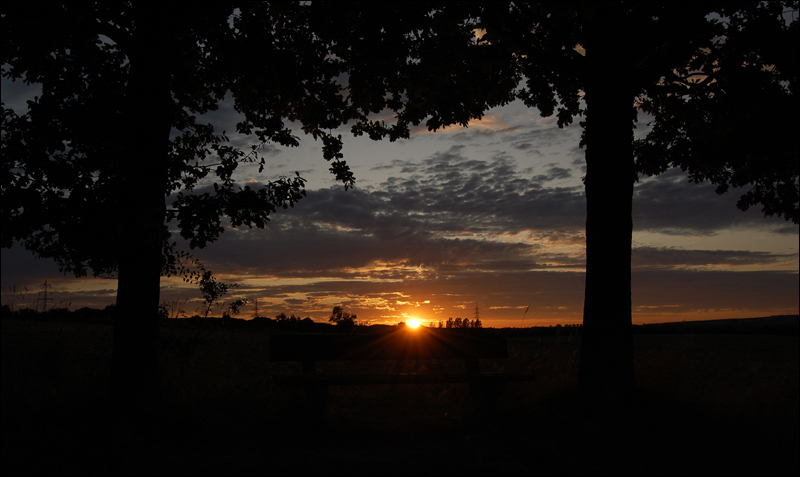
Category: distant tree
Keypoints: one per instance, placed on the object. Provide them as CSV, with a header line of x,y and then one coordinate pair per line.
x,y
341,317
450,323
477,323
458,323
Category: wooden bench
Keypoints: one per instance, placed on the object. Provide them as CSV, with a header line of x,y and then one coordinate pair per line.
x,y
400,344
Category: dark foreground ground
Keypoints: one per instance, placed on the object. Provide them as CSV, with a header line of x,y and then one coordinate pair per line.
x,y
707,404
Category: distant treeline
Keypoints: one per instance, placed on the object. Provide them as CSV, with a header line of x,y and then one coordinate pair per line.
x,y
64,315
774,325
459,323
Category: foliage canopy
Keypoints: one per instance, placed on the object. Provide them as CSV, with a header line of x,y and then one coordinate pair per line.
x,y
66,160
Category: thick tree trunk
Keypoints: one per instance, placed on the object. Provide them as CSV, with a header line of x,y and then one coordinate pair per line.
x,y
606,362
141,208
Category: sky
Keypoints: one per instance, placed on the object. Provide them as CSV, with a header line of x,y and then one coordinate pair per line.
x,y
490,216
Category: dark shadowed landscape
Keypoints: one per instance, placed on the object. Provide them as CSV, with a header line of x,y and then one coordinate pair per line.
x,y
713,398
568,162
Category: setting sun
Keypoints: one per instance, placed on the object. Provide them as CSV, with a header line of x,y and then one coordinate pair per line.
x,y
413,323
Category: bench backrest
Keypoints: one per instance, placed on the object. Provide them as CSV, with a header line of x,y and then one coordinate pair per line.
x,y
402,344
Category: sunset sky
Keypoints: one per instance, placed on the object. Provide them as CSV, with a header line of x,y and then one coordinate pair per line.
x,y
492,214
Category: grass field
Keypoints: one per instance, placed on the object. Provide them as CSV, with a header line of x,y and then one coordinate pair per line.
x,y
710,404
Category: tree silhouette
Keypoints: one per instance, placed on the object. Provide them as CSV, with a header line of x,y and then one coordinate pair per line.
x,y
117,128
689,67
342,318
717,81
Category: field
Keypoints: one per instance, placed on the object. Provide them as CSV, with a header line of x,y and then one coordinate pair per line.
x,y
706,404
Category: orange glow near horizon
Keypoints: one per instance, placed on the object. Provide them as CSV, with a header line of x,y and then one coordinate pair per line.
x,y
434,305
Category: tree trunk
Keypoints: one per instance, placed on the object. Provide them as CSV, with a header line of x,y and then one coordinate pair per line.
x,y
606,361
140,224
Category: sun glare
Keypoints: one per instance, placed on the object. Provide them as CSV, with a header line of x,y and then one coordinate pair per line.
x,y
414,323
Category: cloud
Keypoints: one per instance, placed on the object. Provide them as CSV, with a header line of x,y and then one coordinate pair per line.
x,y
685,291
673,258
23,276
486,127
404,167
540,138
321,251
669,203
554,173
289,272
452,229
430,297
22,268
486,193
664,293
451,212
